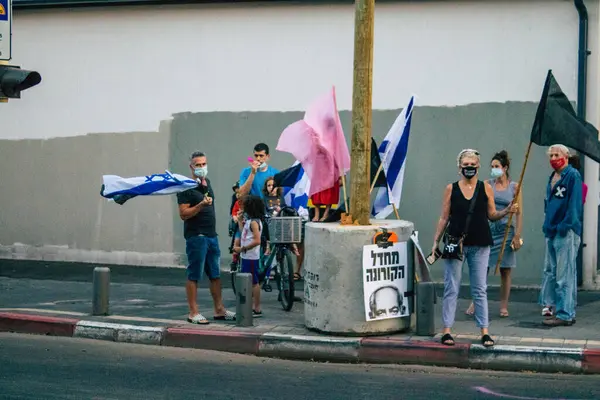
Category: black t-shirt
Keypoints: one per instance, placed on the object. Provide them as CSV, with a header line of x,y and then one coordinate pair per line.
x,y
203,223
479,230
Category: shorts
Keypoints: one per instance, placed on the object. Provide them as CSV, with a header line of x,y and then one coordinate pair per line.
x,y
203,254
251,267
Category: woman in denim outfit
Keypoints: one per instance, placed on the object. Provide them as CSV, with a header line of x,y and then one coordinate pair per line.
x,y
476,244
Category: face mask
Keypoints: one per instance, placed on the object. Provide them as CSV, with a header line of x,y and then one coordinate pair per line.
x,y
497,173
263,165
201,172
469,172
557,163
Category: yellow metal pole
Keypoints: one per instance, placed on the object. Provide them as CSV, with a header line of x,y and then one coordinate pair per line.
x,y
360,199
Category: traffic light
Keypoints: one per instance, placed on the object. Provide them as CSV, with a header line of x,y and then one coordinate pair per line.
x,y
13,80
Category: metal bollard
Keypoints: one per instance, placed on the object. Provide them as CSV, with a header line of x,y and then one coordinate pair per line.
x,y
425,309
243,303
101,288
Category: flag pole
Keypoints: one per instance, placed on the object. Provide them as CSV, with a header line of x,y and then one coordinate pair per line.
x,y
510,216
364,16
376,176
396,211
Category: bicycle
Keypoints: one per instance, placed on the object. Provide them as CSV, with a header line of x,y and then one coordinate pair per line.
x,y
284,231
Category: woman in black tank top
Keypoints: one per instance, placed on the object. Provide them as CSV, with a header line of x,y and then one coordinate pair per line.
x,y
476,243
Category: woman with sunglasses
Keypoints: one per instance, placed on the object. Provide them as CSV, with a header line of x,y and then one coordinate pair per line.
x,y
467,239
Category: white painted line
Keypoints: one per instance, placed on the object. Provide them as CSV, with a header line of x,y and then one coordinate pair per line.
x,y
110,325
305,347
528,349
143,319
309,338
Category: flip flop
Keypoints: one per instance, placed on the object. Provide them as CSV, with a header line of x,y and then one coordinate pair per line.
x,y
297,276
198,319
486,340
229,316
448,340
504,314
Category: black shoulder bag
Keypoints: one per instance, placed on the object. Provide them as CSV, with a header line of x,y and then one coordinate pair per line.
x,y
453,245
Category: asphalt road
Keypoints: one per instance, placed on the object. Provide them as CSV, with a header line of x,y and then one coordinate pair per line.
x,y
40,367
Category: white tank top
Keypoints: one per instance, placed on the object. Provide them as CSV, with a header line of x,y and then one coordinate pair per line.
x,y
247,237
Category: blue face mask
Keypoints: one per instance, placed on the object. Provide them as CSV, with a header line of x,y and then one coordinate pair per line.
x,y
497,173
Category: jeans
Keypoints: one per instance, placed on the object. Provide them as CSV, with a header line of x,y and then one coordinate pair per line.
x,y
559,282
477,258
203,255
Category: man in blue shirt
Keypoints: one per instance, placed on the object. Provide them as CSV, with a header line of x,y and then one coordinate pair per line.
x,y
253,178
562,228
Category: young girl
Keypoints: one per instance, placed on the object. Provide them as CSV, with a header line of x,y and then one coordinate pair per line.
x,y
248,245
273,197
326,198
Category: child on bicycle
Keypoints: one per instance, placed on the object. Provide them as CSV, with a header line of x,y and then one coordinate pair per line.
x,y
248,245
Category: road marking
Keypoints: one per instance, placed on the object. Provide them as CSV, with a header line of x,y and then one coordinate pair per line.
x,y
482,389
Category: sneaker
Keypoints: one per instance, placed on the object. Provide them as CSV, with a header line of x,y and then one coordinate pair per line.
x,y
256,314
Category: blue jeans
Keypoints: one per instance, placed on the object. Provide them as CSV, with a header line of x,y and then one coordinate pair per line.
x,y
559,282
203,254
477,258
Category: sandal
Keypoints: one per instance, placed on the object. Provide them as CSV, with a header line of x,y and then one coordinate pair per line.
x,y
487,341
229,316
297,276
198,319
448,340
504,313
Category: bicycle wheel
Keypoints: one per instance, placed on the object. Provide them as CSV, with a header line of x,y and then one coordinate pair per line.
x,y
286,280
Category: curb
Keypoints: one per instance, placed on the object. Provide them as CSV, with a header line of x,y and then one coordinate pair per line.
x,y
373,350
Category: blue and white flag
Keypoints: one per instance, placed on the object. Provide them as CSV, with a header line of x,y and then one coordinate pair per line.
x,y
393,151
296,185
121,189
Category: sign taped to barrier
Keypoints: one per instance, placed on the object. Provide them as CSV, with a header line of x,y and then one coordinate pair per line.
x,y
385,281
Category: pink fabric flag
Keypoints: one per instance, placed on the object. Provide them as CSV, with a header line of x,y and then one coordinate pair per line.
x,y
318,142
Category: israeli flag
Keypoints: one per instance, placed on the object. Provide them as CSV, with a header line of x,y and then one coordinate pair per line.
x,y
296,192
393,150
120,189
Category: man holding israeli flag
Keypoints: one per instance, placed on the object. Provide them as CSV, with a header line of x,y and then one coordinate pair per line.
x,y
393,151
197,210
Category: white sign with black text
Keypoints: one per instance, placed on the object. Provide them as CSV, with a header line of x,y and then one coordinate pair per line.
x,y
385,281
5,29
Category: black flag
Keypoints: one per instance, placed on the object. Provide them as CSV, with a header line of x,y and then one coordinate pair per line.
x,y
375,163
556,123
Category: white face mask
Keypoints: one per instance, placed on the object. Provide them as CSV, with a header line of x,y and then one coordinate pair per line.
x,y
497,172
201,172
263,165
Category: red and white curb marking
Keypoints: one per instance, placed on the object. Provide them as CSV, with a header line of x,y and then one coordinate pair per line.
x,y
375,350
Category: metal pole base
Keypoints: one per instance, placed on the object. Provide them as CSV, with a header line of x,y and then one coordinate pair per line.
x,y
425,309
101,291
243,306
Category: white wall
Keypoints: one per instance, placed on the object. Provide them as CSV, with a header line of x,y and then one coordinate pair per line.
x,y
125,69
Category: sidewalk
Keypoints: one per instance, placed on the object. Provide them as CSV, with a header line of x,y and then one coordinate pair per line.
x,y
142,313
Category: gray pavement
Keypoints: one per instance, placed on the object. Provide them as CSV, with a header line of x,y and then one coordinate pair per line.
x,y
41,367
166,305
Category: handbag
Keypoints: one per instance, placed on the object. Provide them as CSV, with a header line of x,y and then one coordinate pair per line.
x,y
453,245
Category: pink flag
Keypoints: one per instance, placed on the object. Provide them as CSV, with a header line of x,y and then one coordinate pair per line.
x,y
318,142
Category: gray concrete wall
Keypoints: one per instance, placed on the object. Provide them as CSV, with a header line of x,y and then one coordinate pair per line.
x,y
51,208
51,198
438,134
